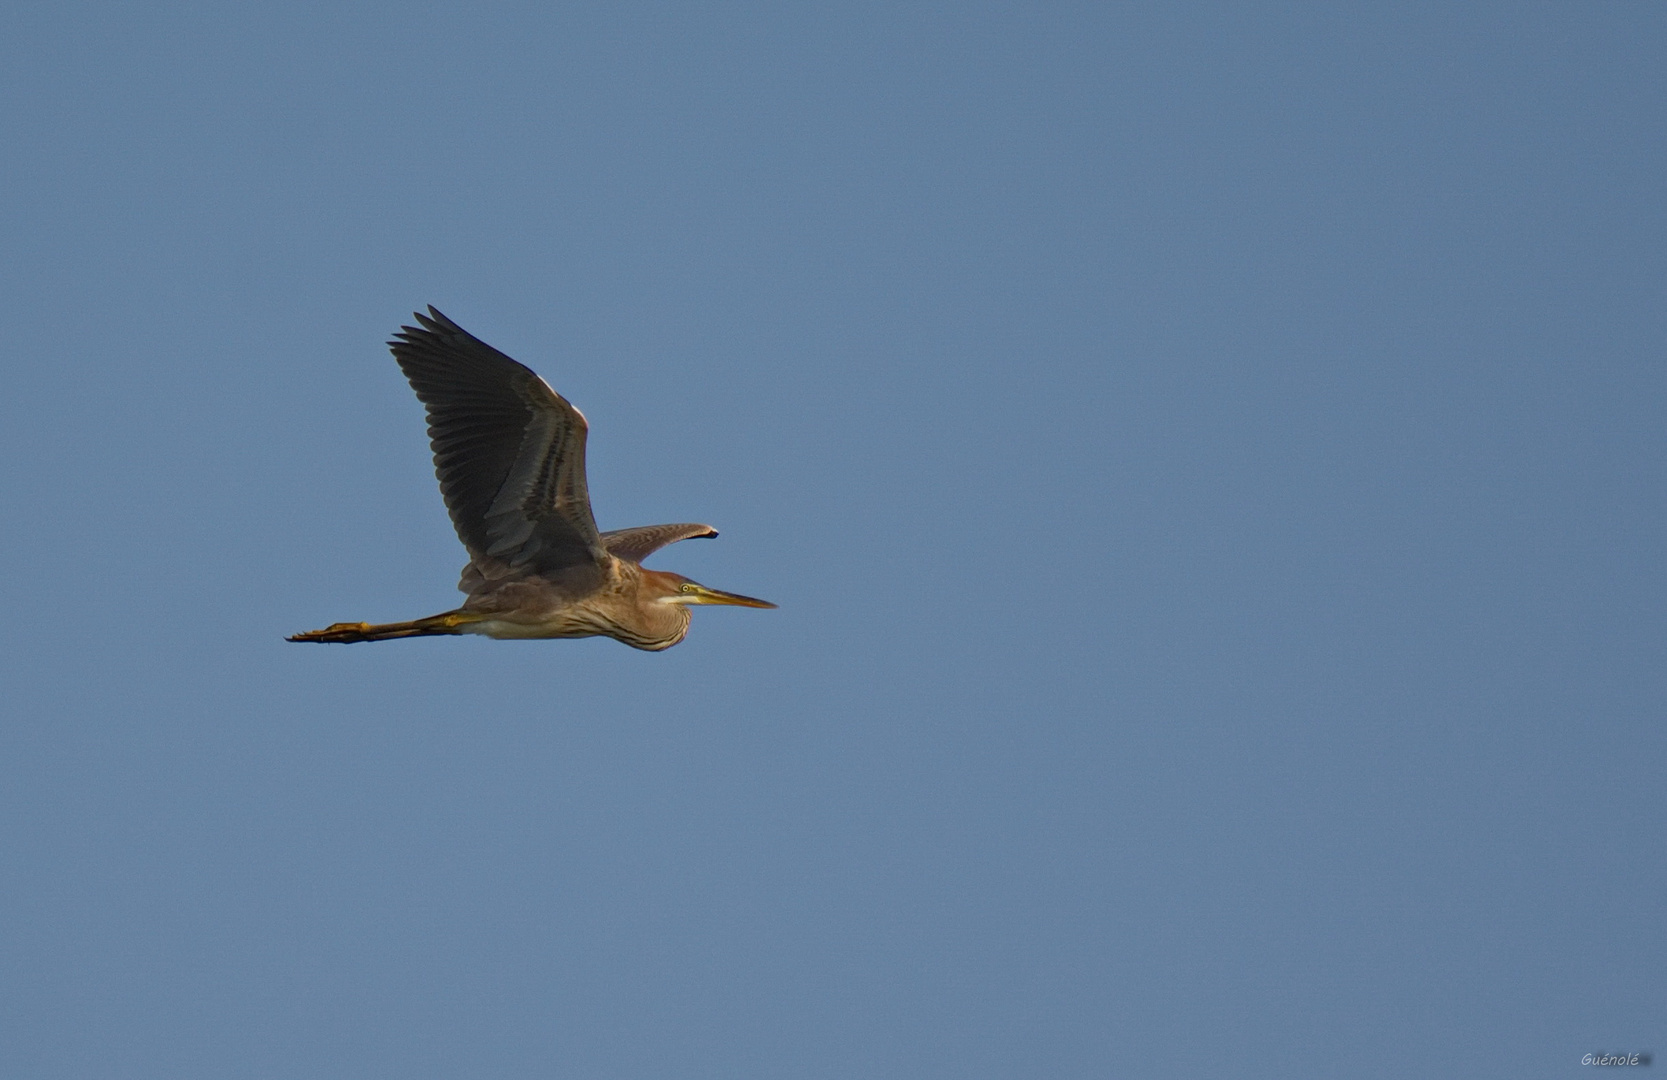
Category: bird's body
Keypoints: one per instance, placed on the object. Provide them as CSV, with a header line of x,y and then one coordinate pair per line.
x,y
629,605
509,453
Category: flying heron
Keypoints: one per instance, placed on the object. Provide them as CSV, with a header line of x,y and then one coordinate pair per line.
x,y
510,455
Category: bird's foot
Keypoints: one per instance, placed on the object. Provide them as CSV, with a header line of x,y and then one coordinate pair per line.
x,y
342,632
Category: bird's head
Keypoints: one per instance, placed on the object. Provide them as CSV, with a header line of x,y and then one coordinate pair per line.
x,y
668,588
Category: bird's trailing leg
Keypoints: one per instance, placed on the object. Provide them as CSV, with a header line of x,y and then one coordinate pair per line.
x,y
344,633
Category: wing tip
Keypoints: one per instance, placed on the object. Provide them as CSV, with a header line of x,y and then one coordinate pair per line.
x,y
433,325
436,319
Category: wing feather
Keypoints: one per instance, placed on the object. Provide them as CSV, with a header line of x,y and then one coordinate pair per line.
x,y
508,450
635,545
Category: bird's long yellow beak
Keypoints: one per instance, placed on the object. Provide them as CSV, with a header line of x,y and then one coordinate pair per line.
x,y
703,595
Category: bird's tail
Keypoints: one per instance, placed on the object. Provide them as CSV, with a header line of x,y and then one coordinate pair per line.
x,y
344,633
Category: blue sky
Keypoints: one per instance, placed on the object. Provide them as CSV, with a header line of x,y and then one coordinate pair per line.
x,y
1209,460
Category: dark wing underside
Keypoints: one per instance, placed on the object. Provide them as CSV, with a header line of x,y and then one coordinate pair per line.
x,y
509,451
635,545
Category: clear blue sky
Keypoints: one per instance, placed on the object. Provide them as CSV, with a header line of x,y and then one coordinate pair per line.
x,y
1209,459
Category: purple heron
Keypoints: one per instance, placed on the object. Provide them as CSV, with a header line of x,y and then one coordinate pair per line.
x,y
510,455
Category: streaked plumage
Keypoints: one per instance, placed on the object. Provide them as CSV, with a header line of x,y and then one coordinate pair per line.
x,y
510,456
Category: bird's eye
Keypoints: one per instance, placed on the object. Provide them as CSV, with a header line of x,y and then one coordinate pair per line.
x,y
688,586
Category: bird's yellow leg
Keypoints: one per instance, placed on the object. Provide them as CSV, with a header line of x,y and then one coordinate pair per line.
x,y
344,633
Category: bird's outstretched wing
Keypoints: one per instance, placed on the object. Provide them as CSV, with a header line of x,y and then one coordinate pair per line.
x,y
509,451
635,545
